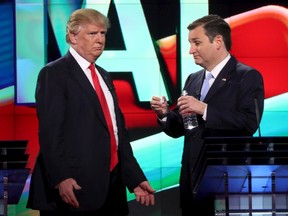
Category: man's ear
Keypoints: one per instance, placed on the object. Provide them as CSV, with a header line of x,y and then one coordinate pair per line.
x,y
73,38
219,41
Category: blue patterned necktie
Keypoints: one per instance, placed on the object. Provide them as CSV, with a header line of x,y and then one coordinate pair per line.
x,y
205,86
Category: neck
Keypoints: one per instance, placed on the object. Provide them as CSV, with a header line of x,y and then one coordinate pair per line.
x,y
217,61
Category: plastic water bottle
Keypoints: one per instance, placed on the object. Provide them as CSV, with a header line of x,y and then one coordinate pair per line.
x,y
189,120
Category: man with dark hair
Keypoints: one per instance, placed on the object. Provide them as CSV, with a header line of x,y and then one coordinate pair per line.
x,y
227,109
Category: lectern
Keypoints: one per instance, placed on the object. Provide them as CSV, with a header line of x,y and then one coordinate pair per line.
x,y
13,172
246,175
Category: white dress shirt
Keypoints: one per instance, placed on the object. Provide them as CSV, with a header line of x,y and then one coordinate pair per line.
x,y
84,64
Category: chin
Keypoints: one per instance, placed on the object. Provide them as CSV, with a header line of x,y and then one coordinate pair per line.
x,y
197,62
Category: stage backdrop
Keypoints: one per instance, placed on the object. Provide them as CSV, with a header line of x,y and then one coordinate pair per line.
x,y
147,54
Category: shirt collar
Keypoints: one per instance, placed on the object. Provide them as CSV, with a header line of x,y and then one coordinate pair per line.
x,y
84,64
216,70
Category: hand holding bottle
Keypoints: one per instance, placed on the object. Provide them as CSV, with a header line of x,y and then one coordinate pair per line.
x,y
190,119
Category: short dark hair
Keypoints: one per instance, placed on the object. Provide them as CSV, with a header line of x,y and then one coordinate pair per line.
x,y
214,25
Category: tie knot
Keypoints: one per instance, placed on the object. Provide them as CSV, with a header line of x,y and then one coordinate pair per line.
x,y
91,67
209,76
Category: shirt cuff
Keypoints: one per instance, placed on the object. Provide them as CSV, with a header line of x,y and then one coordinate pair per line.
x,y
205,113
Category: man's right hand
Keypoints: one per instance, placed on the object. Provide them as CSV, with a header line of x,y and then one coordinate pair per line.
x,y
160,106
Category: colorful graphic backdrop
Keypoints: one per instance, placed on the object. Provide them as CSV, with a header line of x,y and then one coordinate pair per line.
x,y
147,54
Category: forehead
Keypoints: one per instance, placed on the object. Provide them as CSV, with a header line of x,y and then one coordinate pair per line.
x,y
197,33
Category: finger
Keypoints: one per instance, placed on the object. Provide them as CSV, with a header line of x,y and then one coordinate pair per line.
x,y
76,186
147,199
155,99
181,108
143,199
70,199
150,190
163,100
73,201
152,199
137,198
155,104
65,199
147,189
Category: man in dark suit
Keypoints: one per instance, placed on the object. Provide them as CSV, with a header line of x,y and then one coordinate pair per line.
x,y
229,108
73,175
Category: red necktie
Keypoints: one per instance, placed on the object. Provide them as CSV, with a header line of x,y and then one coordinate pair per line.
x,y
104,105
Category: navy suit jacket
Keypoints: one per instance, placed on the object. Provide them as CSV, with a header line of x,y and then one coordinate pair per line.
x,y
231,111
74,139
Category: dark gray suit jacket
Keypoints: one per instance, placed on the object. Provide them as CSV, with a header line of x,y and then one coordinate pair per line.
x,y
231,111
74,139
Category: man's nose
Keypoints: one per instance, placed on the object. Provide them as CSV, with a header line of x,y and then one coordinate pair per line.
x,y
192,49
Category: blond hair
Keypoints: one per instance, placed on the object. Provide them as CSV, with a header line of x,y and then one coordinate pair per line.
x,y
83,16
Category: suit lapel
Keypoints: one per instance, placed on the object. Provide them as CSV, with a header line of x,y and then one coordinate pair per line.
x,y
222,78
199,83
194,83
80,78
